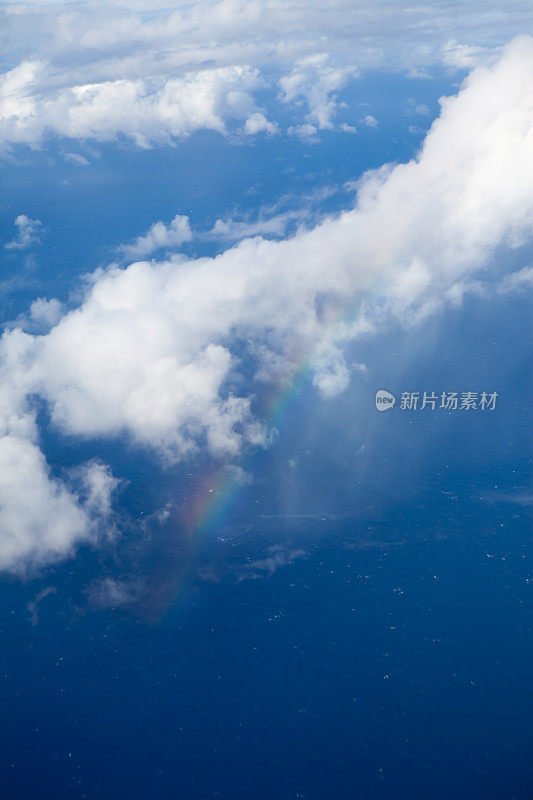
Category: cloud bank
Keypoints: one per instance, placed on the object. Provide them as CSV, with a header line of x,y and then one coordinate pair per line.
x,y
153,350
145,111
154,72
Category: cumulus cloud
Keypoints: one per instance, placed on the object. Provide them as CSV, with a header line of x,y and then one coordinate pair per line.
x,y
45,312
331,375
258,123
154,71
417,108
28,232
40,519
153,349
307,132
144,110
370,121
314,80
346,128
158,237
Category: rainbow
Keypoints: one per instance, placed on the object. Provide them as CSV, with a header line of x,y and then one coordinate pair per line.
x,y
216,491
217,494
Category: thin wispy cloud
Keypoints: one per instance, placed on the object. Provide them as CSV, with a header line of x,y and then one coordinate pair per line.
x,y
28,233
159,237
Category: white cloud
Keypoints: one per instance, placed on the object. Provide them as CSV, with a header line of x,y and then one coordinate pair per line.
x,y
276,225
315,80
45,312
152,349
144,110
273,219
158,237
307,132
28,231
33,605
40,519
155,71
76,158
116,36
417,108
513,283
468,56
110,593
516,281
370,121
332,378
258,123
275,558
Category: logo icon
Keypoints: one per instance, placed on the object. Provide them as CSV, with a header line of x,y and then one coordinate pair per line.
x,y
384,400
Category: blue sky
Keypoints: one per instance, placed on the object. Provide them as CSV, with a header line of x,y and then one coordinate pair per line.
x,y
224,226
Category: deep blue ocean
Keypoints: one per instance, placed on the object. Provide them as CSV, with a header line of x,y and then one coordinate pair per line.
x,y
389,664
358,625
362,631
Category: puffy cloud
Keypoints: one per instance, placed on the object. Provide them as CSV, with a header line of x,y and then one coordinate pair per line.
x,y
144,110
28,231
417,108
370,121
42,517
331,375
160,236
45,312
144,354
41,520
307,132
346,128
315,80
155,71
258,123
153,350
